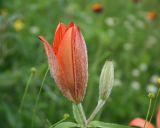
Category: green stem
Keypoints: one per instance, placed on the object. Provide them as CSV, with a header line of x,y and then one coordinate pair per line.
x,y
37,99
82,114
149,108
154,106
96,110
53,125
25,92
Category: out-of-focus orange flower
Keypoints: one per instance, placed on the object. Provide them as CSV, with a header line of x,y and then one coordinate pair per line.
x,y
97,7
139,122
18,25
152,15
68,61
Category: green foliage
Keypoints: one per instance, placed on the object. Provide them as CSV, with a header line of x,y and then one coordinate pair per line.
x,y
67,125
121,32
99,124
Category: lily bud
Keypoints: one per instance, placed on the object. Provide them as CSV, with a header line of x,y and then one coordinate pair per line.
x,y
68,61
33,70
106,80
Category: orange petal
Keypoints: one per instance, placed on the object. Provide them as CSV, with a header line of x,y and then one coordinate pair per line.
x,y
64,57
158,118
53,63
80,61
72,55
58,36
55,69
139,122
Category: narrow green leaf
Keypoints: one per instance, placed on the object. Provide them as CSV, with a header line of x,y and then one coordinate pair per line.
x,y
67,125
99,124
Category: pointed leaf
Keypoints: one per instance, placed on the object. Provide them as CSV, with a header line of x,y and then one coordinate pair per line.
x,y
67,125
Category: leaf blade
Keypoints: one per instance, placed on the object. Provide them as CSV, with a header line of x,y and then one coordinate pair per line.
x,y
99,124
67,125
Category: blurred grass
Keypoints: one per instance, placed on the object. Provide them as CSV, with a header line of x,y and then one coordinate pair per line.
x,y
121,32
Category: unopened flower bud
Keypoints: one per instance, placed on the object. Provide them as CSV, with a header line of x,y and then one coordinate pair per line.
x,y
66,116
151,95
68,61
106,80
33,70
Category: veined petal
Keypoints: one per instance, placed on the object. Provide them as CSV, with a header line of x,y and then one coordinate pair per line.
x,y
58,36
72,55
64,57
68,61
139,122
158,118
55,69
80,63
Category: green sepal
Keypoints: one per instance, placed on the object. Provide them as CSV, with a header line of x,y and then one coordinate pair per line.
x,y
76,114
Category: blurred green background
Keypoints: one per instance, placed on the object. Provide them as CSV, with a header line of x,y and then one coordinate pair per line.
x,y
125,31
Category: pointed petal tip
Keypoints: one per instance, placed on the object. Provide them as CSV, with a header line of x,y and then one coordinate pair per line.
x,y
60,22
71,24
42,39
60,25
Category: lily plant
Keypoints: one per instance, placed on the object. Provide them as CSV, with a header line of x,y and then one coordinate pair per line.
x,y
68,64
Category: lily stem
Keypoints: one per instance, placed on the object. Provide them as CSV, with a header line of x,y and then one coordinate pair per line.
x,y
53,125
82,114
149,108
96,110
154,106
37,98
25,92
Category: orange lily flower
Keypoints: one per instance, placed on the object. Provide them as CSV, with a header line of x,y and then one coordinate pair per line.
x,y
152,15
139,122
97,7
68,61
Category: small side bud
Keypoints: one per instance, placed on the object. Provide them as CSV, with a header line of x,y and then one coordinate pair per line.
x,y
151,95
66,116
106,80
33,70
